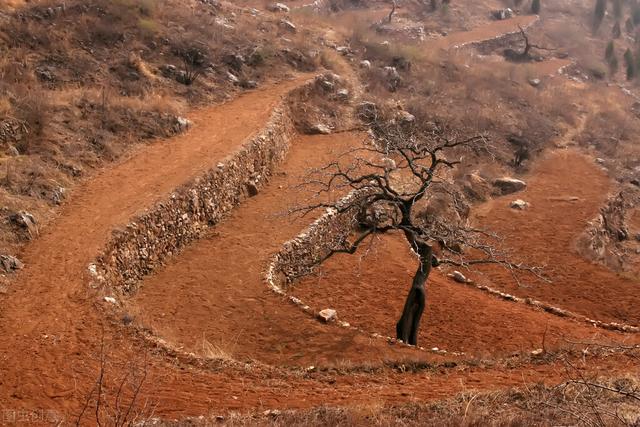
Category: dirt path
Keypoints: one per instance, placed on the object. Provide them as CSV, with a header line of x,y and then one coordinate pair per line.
x,y
48,322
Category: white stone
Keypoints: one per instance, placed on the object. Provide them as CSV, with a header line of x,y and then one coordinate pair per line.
x,y
328,315
519,204
459,277
110,300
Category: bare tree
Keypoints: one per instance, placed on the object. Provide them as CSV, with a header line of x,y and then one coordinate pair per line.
x,y
525,55
118,406
390,179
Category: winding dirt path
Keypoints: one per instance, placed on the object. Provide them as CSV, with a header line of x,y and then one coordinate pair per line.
x,y
212,299
48,322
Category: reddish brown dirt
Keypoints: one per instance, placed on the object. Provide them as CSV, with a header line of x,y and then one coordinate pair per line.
x,y
369,292
50,327
201,297
545,234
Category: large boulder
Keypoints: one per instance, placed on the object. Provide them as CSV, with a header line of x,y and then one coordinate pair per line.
x,y
507,185
476,187
318,129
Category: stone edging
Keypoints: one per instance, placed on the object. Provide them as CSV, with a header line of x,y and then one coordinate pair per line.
x,y
299,255
613,326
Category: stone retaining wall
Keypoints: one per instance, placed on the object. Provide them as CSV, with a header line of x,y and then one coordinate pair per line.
x,y
300,255
161,231
488,46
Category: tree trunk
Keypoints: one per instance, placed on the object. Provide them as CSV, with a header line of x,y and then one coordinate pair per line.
x,y
393,9
407,326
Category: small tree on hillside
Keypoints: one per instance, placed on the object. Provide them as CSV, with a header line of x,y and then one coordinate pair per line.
x,y
629,26
613,66
525,55
598,14
629,64
389,180
535,7
616,31
609,52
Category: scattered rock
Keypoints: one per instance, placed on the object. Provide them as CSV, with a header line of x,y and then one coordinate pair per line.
x,y
182,124
110,300
405,117
319,129
393,78
234,61
519,204
342,95
58,195
459,277
325,83
344,50
278,7
537,352
288,25
10,263
534,82
25,220
476,187
168,70
249,84
365,64
508,185
503,14
272,413
328,315
232,78
600,161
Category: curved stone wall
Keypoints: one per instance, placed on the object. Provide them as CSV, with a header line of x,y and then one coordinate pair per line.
x,y
161,231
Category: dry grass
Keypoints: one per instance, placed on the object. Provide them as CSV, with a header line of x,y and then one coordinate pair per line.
x,y
85,83
576,402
